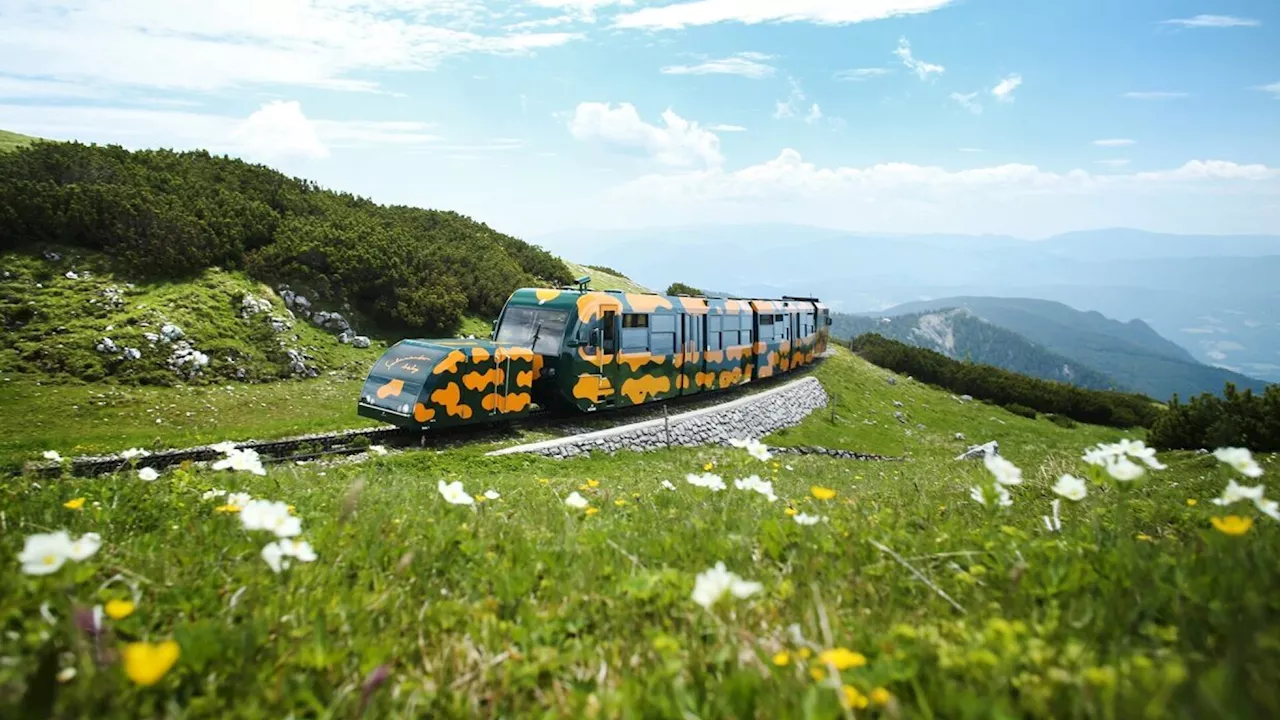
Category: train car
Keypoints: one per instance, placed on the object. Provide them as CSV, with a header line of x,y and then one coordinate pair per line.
x,y
590,350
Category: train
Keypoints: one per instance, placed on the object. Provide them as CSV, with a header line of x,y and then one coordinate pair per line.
x,y
574,349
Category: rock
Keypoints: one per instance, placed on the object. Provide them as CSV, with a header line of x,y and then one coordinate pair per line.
x,y
113,295
186,360
967,398
919,426
900,417
959,436
151,337
897,403
52,256
170,333
240,373
132,354
331,321
71,275
295,302
361,341
977,451
279,325
345,337
106,345
251,305
892,380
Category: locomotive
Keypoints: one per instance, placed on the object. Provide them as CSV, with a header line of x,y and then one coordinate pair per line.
x,y
574,349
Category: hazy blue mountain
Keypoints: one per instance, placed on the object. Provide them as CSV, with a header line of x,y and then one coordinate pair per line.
x,y
1213,296
962,335
1131,353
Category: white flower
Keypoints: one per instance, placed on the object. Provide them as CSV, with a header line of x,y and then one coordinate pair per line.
x,y
44,553
492,494
1270,508
52,455
377,450
712,585
1236,492
226,447
1003,498
454,494
132,453
215,493
667,484
1053,524
84,547
239,499
755,448
575,501
148,474
241,460
803,519
1139,450
272,516
740,442
1071,487
279,554
1123,469
1239,458
1005,472
706,480
764,487
1104,455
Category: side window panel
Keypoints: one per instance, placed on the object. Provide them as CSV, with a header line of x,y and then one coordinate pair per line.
x,y
635,332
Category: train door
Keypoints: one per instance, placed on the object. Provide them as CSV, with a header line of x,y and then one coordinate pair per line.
x,y
608,358
691,345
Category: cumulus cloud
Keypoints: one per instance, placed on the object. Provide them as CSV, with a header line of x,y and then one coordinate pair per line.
x,y
279,129
1003,91
921,68
203,46
1116,162
726,128
751,12
1213,21
746,64
968,101
1273,89
678,142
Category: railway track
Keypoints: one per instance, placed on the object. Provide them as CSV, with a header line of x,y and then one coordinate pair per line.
x,y
350,442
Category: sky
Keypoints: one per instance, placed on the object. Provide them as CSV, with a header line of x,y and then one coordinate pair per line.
x,y
903,116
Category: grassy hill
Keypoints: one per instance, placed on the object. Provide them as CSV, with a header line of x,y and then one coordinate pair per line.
x,y
520,604
1132,354
602,279
961,335
10,141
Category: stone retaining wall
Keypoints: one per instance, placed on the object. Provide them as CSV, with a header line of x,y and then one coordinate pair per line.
x,y
752,416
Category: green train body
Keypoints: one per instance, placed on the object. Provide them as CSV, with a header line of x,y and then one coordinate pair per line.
x,y
589,350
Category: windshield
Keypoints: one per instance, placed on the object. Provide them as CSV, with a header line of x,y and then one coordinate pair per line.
x,y
519,323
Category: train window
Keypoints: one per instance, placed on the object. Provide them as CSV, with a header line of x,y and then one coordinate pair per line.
x,y
632,320
713,341
662,323
541,328
608,321
662,343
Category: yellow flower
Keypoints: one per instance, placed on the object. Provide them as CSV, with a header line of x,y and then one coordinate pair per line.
x,y
592,511
790,511
842,658
782,659
818,674
292,510
544,481
1232,524
74,504
804,653
635,496
708,466
593,483
822,493
1143,536
479,498
619,503
1191,502
119,609
853,698
146,664
227,509
880,696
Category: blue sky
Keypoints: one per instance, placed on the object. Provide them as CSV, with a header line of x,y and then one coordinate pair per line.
x,y
876,115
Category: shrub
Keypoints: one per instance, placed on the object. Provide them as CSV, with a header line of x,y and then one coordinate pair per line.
x,y
679,288
606,269
1022,410
1062,421
1237,419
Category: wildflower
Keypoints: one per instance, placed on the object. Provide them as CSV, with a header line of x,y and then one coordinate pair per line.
x,y
132,453
377,450
712,585
272,516
593,483
1005,472
1053,524
842,658
1238,458
619,502
454,494
754,482
544,481
225,447
44,553
1191,502
708,467
1123,469
211,494
706,480
591,511
822,493
491,494
576,501
480,498
148,474
782,659
853,698
74,504
1003,498
1143,537
1236,492
84,547
803,519
119,609
227,509
791,512
241,460
1071,487
240,499
52,455
1270,508
1139,450
881,696
666,484
67,674
818,674
1232,524
146,664
280,553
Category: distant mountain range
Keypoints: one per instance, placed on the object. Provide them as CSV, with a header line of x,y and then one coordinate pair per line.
x,y
1215,297
1050,340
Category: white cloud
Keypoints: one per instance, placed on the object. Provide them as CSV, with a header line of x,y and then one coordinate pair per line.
x,y
1117,162
1273,88
1213,21
815,114
277,130
726,128
203,46
1115,142
859,74
680,143
921,68
745,64
1156,95
751,12
1003,91
968,102
970,150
